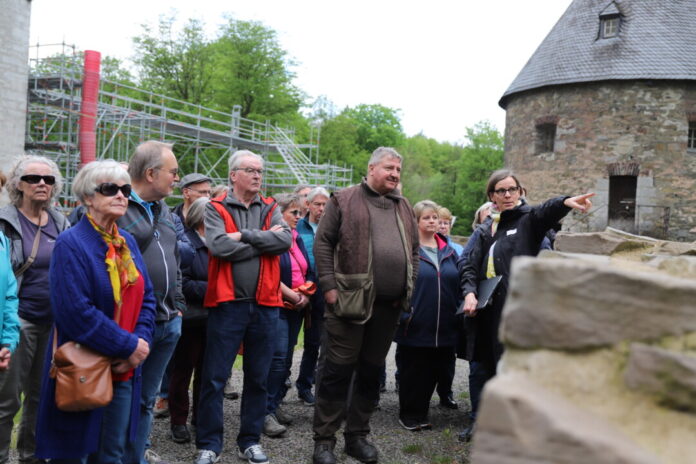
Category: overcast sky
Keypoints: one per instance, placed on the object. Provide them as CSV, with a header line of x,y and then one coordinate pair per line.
x,y
444,64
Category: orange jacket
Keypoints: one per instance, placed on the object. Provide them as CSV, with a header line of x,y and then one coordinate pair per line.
x,y
220,276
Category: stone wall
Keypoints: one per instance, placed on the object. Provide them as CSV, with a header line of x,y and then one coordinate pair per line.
x,y
600,360
14,54
604,127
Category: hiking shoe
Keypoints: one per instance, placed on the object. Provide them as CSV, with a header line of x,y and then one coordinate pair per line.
x,y
425,425
180,434
409,424
448,402
283,416
206,457
323,454
161,408
306,397
254,455
271,426
466,434
362,450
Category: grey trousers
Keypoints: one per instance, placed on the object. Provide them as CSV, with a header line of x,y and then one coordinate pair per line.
x,y
357,352
23,376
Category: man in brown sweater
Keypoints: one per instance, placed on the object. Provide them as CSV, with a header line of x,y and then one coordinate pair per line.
x,y
367,230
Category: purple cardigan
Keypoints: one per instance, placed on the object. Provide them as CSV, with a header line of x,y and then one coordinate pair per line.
x,y
83,306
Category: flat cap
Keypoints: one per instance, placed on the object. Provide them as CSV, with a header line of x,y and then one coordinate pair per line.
x,y
193,178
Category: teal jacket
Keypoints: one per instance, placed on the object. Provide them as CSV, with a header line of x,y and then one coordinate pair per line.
x,y
9,322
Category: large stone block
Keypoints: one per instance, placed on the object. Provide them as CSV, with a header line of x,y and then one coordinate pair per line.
x,y
600,243
578,305
670,376
523,423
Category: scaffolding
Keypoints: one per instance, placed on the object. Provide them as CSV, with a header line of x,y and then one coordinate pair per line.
x,y
126,116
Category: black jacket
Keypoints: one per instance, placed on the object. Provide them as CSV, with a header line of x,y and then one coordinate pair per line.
x,y
519,233
194,272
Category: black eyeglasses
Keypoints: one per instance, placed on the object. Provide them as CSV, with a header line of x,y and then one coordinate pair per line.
x,y
35,179
109,189
511,191
250,170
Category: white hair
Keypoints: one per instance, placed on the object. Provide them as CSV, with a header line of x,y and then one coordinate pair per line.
x,y
95,173
383,152
316,191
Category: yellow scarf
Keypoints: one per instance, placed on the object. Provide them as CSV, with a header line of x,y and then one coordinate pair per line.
x,y
119,263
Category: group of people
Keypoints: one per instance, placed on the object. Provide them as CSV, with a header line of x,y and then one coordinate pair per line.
x,y
169,295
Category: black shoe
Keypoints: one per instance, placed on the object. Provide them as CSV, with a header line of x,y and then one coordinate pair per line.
x,y
180,434
306,397
362,450
231,395
323,454
382,387
467,434
448,402
410,425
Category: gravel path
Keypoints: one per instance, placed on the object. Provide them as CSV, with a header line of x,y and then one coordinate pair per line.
x,y
396,445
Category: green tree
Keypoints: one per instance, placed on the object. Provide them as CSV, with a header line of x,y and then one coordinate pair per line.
x,y
253,71
178,65
377,126
482,155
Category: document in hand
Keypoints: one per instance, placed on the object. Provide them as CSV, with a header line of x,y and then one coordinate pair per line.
x,y
485,291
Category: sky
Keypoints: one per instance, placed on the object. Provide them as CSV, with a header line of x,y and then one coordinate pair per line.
x,y
444,64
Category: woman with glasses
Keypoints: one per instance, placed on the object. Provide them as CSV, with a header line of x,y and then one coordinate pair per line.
x,y
32,226
102,298
514,228
296,285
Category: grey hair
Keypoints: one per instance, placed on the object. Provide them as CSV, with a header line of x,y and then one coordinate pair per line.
x,y
236,158
316,191
20,168
301,187
483,207
285,200
96,172
424,205
196,213
147,155
383,152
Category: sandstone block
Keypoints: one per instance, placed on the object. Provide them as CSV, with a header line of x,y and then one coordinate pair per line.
x,y
522,423
577,305
670,376
600,243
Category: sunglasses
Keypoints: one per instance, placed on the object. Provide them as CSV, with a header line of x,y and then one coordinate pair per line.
x,y
35,179
295,212
109,189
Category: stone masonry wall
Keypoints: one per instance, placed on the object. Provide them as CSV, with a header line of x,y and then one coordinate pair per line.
x,y
614,125
600,356
14,54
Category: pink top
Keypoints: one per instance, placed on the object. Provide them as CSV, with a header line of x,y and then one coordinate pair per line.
x,y
298,262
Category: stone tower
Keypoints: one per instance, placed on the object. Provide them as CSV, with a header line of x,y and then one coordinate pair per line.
x,y
14,54
607,103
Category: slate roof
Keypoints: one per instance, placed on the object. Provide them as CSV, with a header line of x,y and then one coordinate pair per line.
x,y
657,40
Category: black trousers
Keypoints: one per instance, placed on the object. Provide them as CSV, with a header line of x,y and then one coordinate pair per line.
x,y
419,371
351,349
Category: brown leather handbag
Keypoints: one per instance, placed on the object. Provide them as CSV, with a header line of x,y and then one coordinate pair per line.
x,y
83,377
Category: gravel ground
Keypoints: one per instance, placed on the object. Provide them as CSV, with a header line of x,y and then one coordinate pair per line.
x,y
396,445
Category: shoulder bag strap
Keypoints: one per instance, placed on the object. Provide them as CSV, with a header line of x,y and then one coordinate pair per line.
x,y
32,256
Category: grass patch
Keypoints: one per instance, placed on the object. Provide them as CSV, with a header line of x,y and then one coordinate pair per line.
x,y
413,448
463,396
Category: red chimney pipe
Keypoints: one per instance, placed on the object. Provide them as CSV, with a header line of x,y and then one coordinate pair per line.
x,y
88,113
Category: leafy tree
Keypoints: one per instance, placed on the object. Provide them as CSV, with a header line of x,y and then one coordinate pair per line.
x,y
253,71
178,65
377,126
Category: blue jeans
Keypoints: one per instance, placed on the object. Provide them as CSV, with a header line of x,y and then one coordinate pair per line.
x,y
230,324
164,341
312,341
289,324
114,429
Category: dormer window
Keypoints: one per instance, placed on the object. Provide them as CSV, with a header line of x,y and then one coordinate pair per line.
x,y
610,27
609,21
